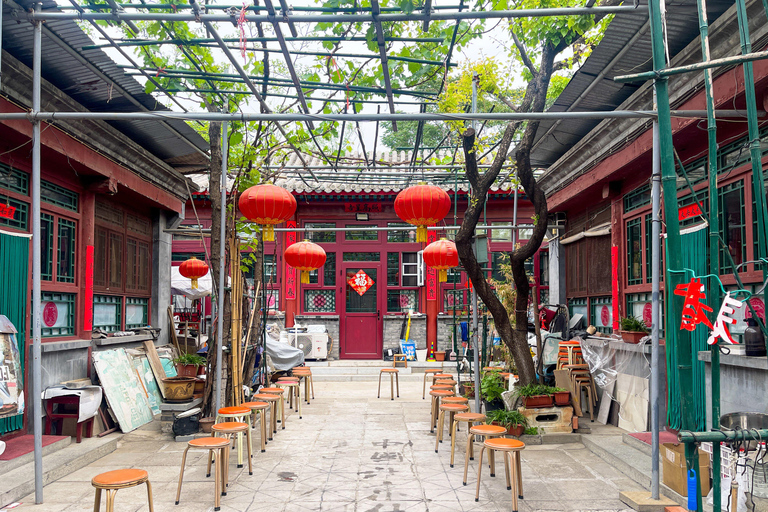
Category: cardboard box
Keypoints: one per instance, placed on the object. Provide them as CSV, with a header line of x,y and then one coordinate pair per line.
x,y
674,469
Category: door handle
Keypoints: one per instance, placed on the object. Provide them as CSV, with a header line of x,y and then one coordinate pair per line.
x,y
378,314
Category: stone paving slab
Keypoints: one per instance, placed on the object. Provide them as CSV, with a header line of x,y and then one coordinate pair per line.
x,y
350,452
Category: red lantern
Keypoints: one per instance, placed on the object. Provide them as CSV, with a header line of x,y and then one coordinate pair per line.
x,y
267,205
305,256
193,269
441,255
422,205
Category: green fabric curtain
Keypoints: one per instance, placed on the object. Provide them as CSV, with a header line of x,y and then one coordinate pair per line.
x,y
694,258
14,273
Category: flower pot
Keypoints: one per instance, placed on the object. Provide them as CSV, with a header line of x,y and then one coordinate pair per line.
x,y
467,389
421,355
632,336
201,370
199,385
186,370
563,398
538,401
493,406
512,430
179,389
206,424
439,356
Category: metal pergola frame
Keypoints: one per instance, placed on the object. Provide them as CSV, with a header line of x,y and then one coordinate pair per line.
x,y
127,13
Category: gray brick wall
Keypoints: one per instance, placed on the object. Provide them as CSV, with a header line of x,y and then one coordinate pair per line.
x,y
331,323
393,324
445,331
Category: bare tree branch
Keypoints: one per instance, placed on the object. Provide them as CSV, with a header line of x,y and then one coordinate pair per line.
x,y
523,53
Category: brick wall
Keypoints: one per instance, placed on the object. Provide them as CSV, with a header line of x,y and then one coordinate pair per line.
x,y
393,324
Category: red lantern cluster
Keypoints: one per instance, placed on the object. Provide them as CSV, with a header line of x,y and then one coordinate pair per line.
x,y
441,255
305,256
422,205
193,269
267,205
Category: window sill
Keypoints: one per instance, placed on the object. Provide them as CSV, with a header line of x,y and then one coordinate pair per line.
x,y
758,363
119,340
60,346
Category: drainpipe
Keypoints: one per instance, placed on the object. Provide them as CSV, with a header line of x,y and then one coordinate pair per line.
x,y
222,270
655,260
475,348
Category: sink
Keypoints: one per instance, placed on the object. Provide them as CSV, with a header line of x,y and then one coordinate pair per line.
x,y
745,421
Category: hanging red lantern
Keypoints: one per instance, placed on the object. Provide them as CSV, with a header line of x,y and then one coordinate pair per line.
x,y
441,255
305,256
267,205
193,269
422,205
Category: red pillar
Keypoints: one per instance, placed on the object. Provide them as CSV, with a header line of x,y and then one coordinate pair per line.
x,y
85,263
432,304
291,283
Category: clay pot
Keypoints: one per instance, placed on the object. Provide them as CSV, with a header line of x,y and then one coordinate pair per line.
x,y
538,401
186,370
512,430
563,398
199,385
439,356
179,389
632,336
206,424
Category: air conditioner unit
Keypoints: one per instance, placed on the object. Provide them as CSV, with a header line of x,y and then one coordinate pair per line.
x,y
314,345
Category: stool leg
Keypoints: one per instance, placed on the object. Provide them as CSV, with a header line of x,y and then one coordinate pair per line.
x,y
453,439
379,393
149,497
263,425
519,471
217,490
506,470
391,387
97,501
239,441
312,386
397,381
111,500
424,387
210,458
78,432
89,428
439,428
470,438
249,440
492,459
514,477
298,399
282,412
225,471
432,414
273,419
181,473
479,471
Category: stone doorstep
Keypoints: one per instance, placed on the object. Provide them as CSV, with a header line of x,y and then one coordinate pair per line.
x,y
642,502
9,465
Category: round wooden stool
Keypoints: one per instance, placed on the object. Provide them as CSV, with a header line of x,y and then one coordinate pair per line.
x,y
439,376
451,409
272,400
113,481
212,444
303,372
510,449
428,371
436,395
293,392
485,431
261,409
470,418
236,428
456,400
238,414
280,393
393,376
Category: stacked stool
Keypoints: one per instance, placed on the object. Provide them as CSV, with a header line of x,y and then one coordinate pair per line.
x,y
470,418
304,372
239,415
272,400
452,410
279,393
428,371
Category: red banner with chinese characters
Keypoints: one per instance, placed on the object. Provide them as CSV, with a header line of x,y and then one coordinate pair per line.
x,y
7,211
431,273
363,207
361,282
88,319
290,272
615,285
686,212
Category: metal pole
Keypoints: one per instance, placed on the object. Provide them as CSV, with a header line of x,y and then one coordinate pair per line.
x,y
475,351
222,270
655,279
707,64
37,405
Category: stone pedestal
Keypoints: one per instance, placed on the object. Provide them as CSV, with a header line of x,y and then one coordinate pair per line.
x,y
550,419
168,412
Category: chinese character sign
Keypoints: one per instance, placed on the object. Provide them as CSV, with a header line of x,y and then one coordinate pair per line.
x,y
290,272
693,309
363,207
7,211
724,316
431,272
361,282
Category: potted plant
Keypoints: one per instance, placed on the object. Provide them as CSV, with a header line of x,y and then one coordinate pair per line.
x,y
562,396
491,387
513,421
632,329
439,355
187,364
467,388
535,396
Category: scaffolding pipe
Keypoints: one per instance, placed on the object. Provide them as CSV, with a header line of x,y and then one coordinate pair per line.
x,y
655,301
222,264
725,61
475,348
37,402
338,18
718,436
182,231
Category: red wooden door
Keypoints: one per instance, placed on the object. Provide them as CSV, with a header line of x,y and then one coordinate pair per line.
x,y
361,315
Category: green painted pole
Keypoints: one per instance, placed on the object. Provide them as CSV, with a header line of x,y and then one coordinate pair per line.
x,y
678,340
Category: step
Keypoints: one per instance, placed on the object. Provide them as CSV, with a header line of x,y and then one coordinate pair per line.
x,y
9,465
356,377
630,461
636,443
20,481
413,366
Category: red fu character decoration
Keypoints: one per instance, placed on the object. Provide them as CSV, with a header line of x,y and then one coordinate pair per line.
x,y
267,205
441,255
422,205
193,269
305,256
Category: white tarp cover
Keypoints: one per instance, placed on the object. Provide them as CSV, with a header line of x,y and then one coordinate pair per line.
x,y
283,356
181,285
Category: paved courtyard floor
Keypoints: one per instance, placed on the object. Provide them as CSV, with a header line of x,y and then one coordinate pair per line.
x,y
349,452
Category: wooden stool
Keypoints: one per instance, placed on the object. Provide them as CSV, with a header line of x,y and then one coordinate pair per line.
x,y
585,383
441,376
399,358
456,400
509,448
58,417
272,400
261,409
279,392
452,409
293,392
470,418
428,371
447,382
113,481
393,376
303,372
485,431
239,414
436,395
211,444
236,428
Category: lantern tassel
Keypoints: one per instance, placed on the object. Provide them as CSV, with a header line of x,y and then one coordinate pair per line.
x,y
304,277
442,276
194,283
421,234
269,233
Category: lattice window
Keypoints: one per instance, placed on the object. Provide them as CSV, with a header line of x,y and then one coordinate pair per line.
x,y
65,265
634,252
732,224
138,224
319,301
20,216
14,179
328,236
136,312
601,314
639,306
108,213
59,196
455,299
368,235
107,310
637,198
362,256
406,235
46,237
58,314
402,300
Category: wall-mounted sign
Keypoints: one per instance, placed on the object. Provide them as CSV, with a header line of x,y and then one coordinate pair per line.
x,y
50,314
431,272
361,282
363,207
290,272
686,212
7,211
